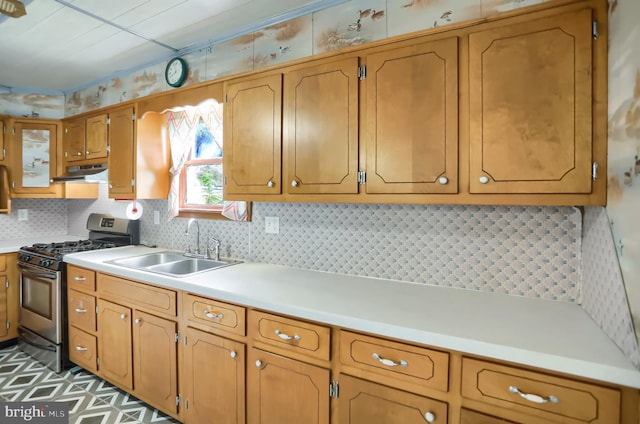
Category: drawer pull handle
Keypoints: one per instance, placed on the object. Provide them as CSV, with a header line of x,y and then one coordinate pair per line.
x,y
284,336
534,398
211,315
80,348
429,417
81,310
389,362
77,278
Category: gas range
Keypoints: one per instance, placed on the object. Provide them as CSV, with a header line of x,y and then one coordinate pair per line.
x,y
42,327
49,255
105,232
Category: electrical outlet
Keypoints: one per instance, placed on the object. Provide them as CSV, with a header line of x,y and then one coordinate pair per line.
x,y
23,214
272,225
156,217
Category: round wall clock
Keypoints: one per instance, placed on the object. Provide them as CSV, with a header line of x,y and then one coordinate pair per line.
x,y
176,72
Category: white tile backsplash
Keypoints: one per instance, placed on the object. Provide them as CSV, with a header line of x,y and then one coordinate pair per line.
x,y
541,252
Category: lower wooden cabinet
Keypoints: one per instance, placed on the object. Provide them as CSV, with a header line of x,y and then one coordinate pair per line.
x,y
214,379
114,343
9,297
362,401
155,360
540,397
282,390
238,365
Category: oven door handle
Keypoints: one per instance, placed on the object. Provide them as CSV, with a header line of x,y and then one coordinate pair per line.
x,y
45,275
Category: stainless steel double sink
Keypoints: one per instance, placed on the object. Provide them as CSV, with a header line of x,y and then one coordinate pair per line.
x,y
171,263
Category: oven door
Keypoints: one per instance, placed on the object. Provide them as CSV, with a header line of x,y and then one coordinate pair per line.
x,y
41,302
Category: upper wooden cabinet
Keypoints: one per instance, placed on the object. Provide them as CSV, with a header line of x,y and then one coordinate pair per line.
x,y
139,158
33,152
253,136
531,106
321,128
505,111
410,125
73,140
96,145
121,158
85,139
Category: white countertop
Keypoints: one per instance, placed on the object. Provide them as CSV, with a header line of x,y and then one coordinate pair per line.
x,y
552,335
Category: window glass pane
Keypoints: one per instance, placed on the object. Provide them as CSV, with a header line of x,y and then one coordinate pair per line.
x,y
205,144
35,158
204,184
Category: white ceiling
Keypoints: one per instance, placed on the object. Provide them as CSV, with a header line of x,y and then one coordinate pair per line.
x,y
63,45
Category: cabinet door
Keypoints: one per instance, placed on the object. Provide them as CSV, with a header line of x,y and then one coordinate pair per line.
x,y
530,106
121,155
361,401
96,143
4,306
114,343
411,119
214,379
282,390
73,139
3,150
33,147
253,136
155,360
321,121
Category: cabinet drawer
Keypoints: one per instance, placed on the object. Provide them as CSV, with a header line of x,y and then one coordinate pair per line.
x,y
81,278
549,397
219,315
83,349
426,367
144,296
468,416
82,310
293,335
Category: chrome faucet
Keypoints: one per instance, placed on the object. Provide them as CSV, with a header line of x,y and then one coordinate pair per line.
x,y
191,221
216,247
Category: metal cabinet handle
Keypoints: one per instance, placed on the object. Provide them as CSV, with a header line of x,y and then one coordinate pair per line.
x,y
81,310
233,354
284,336
78,278
294,183
138,321
429,417
270,184
80,348
79,153
389,362
123,316
258,363
211,315
443,180
534,398
483,179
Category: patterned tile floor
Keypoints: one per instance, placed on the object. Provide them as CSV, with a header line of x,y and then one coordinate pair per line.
x,y
91,399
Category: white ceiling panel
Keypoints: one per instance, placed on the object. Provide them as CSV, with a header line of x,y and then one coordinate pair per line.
x,y
63,45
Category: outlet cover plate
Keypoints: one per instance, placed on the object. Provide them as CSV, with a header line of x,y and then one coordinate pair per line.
x,y
272,225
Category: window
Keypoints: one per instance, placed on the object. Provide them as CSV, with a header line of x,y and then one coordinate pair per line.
x,y
195,134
